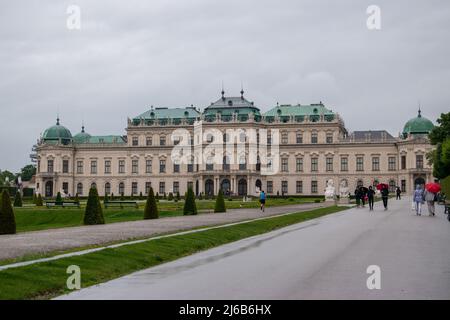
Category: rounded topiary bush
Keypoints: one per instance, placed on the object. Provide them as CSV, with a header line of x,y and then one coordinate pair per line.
x,y
151,209
94,212
7,218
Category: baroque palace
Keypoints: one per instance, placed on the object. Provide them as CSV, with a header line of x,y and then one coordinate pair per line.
x,y
314,147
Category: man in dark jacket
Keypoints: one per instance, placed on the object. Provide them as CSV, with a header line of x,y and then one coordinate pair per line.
x,y
358,196
370,197
384,196
398,192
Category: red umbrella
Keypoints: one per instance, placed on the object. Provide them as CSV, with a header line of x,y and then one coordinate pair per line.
x,y
381,186
433,187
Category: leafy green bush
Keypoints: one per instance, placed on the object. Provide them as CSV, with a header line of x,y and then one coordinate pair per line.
x,y
18,200
94,212
151,209
39,201
58,198
170,198
220,203
445,185
7,218
190,208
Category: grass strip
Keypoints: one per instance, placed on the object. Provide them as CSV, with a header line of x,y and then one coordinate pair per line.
x,y
48,279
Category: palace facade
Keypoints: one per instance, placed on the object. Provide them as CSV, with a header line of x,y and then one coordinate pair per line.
x,y
313,146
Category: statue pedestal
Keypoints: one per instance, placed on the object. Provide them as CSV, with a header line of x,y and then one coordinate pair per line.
x,y
345,200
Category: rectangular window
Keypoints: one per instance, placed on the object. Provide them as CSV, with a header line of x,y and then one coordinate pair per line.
x,y
284,138
359,164
134,188
80,167
284,187
299,164
121,166
313,186
284,165
66,166
94,167
148,185
269,186
344,164
392,165
269,138
314,164
65,187
403,162
375,164
50,167
299,138
176,168
162,141
209,167
329,164
162,166
190,185
190,167
329,138
162,187
299,186
107,166
419,161
313,137
148,141
134,166
176,187
148,166
403,185
135,141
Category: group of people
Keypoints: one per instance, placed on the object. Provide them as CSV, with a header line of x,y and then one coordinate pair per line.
x,y
421,196
363,195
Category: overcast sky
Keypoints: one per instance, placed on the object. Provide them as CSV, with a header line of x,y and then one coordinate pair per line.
x,y
129,55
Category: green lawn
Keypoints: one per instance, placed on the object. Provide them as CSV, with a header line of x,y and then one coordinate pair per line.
x,y
41,218
48,279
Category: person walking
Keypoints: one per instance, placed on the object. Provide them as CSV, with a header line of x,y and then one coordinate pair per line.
x,y
370,197
430,198
262,200
398,192
363,196
418,199
384,196
358,197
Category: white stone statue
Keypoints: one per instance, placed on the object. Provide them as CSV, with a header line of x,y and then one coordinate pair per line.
x,y
330,190
343,189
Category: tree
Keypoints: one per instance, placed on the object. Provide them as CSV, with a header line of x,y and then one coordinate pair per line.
x,y
18,199
190,208
141,196
178,196
440,157
220,203
151,209
27,172
7,218
34,198
76,198
39,202
93,213
6,175
112,196
58,198
105,198
170,198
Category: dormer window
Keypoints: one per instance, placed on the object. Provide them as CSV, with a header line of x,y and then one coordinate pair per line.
x,y
230,103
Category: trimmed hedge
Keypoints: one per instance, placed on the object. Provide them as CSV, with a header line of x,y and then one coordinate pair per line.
x,y
190,208
18,200
220,203
94,212
151,209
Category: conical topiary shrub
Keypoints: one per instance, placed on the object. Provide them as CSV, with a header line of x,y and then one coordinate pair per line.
x,y
170,196
93,213
39,201
220,203
105,198
58,198
190,208
34,198
18,199
7,219
151,209
178,196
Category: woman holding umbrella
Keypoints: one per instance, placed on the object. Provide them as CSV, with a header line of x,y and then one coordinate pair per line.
x,y
431,189
384,188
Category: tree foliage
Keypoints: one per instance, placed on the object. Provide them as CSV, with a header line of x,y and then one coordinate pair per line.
x,y
190,208
94,212
220,203
440,157
18,199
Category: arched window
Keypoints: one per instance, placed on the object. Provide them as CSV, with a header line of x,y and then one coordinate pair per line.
x,y
360,183
121,188
93,185
107,188
80,189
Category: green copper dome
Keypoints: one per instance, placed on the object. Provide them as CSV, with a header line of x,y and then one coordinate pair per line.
x,y
418,125
57,133
81,137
